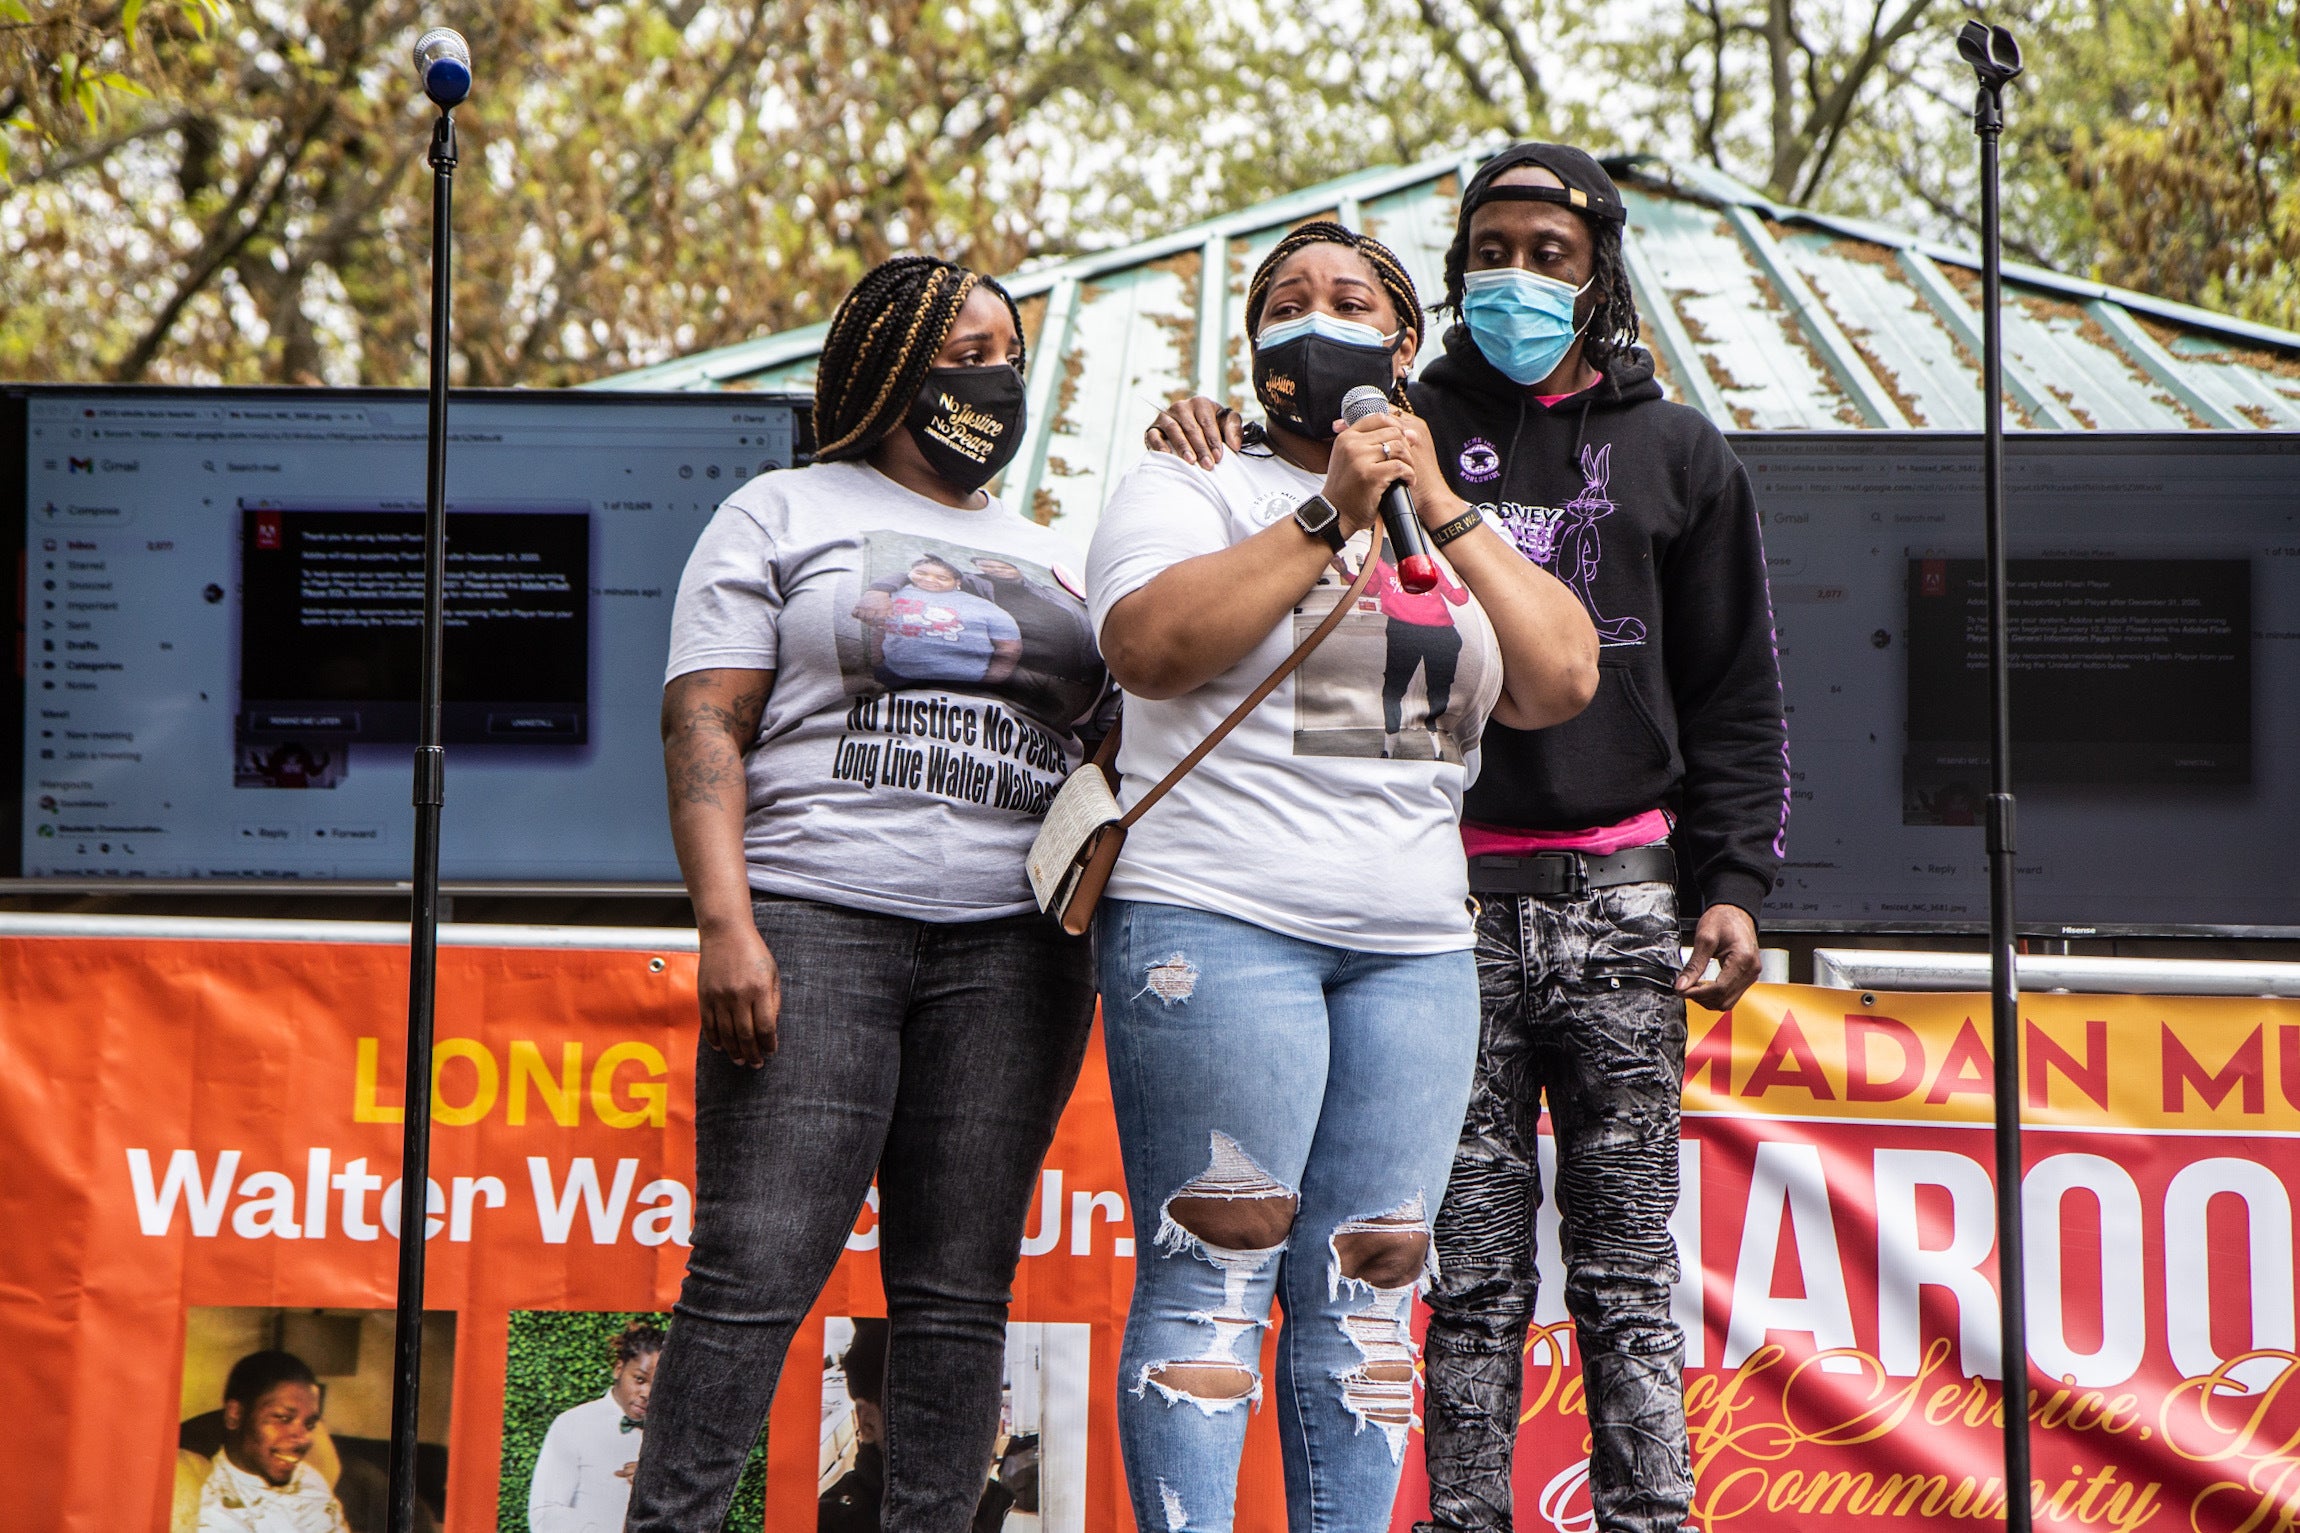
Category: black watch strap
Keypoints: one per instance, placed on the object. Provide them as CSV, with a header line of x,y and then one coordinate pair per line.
x,y
1317,517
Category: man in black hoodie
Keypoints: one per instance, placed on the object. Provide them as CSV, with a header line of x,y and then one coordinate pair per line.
x,y
1545,415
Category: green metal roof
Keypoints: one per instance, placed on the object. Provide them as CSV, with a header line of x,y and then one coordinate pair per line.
x,y
1762,316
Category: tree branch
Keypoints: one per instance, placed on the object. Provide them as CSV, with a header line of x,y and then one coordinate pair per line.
x,y
1522,63
1019,101
222,244
65,164
1940,207
1448,40
1827,123
1787,152
642,182
637,189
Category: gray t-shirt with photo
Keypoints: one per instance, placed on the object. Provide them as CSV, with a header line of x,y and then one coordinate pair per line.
x,y
927,697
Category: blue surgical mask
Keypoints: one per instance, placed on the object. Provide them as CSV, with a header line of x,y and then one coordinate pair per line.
x,y
1521,320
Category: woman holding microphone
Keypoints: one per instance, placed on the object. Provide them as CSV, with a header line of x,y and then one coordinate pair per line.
x,y
1284,943
1548,417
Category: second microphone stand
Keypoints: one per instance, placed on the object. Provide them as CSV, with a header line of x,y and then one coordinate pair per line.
x,y
1995,60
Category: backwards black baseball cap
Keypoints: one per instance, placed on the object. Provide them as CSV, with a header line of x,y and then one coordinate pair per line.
x,y
1588,190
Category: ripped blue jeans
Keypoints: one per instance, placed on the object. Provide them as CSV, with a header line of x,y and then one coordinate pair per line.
x,y
1288,1114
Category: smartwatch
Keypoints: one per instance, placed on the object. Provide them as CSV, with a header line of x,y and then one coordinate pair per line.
x,y
1317,517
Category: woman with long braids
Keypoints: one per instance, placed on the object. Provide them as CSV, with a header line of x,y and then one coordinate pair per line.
x,y
879,995
1548,420
1284,945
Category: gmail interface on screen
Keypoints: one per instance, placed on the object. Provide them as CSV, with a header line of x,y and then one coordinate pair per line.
x,y
223,628
2153,620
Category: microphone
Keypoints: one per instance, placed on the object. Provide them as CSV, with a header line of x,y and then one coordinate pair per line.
x,y
1417,571
443,64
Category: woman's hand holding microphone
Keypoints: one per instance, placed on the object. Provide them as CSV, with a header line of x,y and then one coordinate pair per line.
x,y
1367,459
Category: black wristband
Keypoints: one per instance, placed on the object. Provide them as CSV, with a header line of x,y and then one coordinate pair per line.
x,y
1455,528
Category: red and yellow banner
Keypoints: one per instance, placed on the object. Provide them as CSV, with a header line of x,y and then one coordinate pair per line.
x,y
193,1127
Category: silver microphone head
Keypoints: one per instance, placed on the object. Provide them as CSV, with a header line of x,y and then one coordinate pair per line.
x,y
1362,401
443,64
441,43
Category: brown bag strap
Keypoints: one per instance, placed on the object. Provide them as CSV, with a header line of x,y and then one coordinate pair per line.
x,y
1107,755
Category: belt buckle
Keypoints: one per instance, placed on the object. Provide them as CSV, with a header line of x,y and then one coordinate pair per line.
x,y
1571,872
1540,875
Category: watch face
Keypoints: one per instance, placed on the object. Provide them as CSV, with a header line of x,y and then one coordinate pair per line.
x,y
1317,513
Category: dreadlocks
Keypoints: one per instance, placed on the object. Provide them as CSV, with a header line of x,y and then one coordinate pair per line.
x,y
1323,231
1613,324
882,340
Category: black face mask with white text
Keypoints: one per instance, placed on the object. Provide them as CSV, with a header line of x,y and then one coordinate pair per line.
x,y
967,422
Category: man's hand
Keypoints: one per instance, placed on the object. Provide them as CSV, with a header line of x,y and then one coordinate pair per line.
x,y
740,990
1727,934
1195,430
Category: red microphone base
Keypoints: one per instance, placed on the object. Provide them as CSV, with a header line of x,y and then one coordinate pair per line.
x,y
1418,573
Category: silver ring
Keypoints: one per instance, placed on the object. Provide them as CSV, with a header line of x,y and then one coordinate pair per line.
x,y
1385,452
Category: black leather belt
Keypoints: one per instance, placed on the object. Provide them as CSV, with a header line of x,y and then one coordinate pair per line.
x,y
1558,873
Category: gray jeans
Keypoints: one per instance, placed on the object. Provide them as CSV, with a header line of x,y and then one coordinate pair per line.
x,y
936,1057
1580,1013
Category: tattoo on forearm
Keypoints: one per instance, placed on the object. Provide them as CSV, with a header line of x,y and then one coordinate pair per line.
x,y
699,769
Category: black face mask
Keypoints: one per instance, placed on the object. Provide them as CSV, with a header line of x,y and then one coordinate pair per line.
x,y
967,422
1301,380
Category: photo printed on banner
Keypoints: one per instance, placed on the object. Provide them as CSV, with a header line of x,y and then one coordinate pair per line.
x,y
285,1421
1394,679
1036,1479
576,1387
932,614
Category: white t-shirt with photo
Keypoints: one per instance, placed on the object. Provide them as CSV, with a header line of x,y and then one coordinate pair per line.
x,y
1331,813
931,665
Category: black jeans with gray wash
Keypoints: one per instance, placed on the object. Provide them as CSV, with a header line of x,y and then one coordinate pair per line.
x,y
937,1057
1579,1011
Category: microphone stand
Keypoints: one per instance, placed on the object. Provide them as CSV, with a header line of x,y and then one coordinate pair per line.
x,y
423,936
1995,60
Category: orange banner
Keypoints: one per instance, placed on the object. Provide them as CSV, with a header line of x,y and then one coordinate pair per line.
x,y
2107,1062
200,1142
193,1127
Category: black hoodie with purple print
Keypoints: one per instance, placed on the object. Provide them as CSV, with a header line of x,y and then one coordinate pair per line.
x,y
1642,509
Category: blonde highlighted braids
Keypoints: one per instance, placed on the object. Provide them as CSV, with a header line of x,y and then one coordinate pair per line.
x,y
882,341
1387,270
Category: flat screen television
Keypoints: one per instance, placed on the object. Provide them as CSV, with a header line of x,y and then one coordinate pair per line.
x,y
2154,599
219,627
216,645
